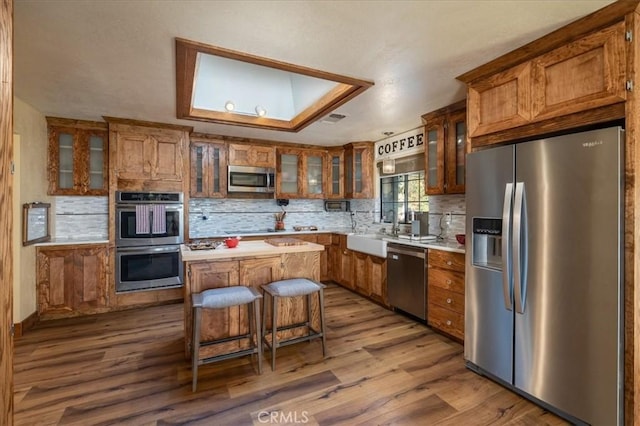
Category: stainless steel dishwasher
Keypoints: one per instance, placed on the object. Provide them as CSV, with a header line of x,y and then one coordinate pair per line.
x,y
406,283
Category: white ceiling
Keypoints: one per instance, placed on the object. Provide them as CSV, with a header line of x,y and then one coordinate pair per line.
x,y
92,58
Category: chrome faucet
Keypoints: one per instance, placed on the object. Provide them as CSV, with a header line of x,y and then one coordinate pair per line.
x,y
394,223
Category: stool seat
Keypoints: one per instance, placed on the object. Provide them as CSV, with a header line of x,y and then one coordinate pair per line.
x,y
293,287
220,298
217,298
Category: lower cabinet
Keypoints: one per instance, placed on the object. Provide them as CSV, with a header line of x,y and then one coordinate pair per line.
x,y
361,272
445,293
71,280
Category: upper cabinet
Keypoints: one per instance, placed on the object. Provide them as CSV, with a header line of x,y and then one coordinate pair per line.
x,y
300,173
358,165
335,173
445,131
314,173
208,168
78,157
252,155
289,173
148,157
586,74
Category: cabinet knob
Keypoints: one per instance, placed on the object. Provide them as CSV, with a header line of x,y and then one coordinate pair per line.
x,y
448,282
448,322
449,300
449,262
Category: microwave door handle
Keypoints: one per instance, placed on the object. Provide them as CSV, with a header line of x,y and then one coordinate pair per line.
x,y
506,247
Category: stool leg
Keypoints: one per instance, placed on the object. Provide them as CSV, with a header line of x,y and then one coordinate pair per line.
x,y
250,313
322,325
195,345
274,330
256,316
264,315
308,297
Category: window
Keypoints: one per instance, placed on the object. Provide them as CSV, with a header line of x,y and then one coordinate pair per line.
x,y
402,194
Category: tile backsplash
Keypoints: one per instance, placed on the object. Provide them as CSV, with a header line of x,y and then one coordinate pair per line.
x,y
81,217
210,217
87,217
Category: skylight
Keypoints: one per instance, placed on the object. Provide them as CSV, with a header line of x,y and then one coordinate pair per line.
x,y
229,87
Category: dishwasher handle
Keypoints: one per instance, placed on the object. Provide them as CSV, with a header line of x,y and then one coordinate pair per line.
x,y
408,252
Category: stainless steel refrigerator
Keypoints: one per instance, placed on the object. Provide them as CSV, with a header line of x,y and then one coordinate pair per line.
x,y
544,268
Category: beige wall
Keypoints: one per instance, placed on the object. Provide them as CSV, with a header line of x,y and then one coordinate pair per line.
x,y
31,126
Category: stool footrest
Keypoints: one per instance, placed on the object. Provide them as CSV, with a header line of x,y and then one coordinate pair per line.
x,y
224,340
228,356
311,335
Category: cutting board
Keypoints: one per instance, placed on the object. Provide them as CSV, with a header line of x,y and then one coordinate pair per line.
x,y
284,241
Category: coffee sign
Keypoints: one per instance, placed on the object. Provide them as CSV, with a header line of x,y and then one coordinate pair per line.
x,y
401,145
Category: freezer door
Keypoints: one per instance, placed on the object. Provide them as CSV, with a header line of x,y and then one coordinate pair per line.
x,y
568,344
488,341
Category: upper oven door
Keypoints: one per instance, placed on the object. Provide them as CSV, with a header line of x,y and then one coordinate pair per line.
x,y
250,179
126,235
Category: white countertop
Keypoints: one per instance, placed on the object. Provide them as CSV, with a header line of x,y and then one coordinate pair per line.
x,y
437,245
246,249
73,241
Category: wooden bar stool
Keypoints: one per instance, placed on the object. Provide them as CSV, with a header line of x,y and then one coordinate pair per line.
x,y
219,298
292,288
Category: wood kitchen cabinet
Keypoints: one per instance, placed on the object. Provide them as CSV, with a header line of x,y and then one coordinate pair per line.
x,y
335,173
252,155
582,75
377,272
78,157
71,280
326,273
358,165
146,157
341,261
445,150
300,173
208,170
445,293
361,279
289,178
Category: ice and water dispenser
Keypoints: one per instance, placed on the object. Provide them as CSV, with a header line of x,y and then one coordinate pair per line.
x,y
487,242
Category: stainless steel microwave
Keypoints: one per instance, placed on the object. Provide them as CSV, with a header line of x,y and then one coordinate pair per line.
x,y
251,179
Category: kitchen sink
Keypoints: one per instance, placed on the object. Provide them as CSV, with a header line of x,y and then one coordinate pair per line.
x,y
367,243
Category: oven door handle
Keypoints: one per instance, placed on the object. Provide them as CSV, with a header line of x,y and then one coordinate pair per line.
x,y
149,249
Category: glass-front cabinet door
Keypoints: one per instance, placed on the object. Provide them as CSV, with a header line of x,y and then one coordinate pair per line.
x,y
456,152
358,163
78,157
445,150
288,167
208,169
434,160
335,173
314,174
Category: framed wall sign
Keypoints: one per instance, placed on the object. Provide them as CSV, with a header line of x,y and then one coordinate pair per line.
x,y
35,223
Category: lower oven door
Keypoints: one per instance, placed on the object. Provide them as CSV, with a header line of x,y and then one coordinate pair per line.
x,y
146,268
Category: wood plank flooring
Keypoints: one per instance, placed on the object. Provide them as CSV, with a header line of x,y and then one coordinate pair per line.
x,y
128,368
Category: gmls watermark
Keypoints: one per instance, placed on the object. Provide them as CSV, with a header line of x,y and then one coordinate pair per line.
x,y
287,417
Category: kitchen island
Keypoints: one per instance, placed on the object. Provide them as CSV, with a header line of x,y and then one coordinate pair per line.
x,y
251,263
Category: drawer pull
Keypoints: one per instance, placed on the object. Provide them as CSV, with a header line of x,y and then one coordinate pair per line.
x,y
449,262
448,282
448,322
449,300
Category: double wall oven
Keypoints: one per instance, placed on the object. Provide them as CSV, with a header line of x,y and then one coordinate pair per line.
x,y
149,231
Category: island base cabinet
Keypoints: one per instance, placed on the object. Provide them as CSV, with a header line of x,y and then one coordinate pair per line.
x,y
230,322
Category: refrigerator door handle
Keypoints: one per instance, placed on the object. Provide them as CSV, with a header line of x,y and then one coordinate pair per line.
x,y
506,247
520,244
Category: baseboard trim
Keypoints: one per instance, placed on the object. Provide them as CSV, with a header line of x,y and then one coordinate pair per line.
x,y
22,327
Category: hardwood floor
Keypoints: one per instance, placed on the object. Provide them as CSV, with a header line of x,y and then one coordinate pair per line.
x,y
381,368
